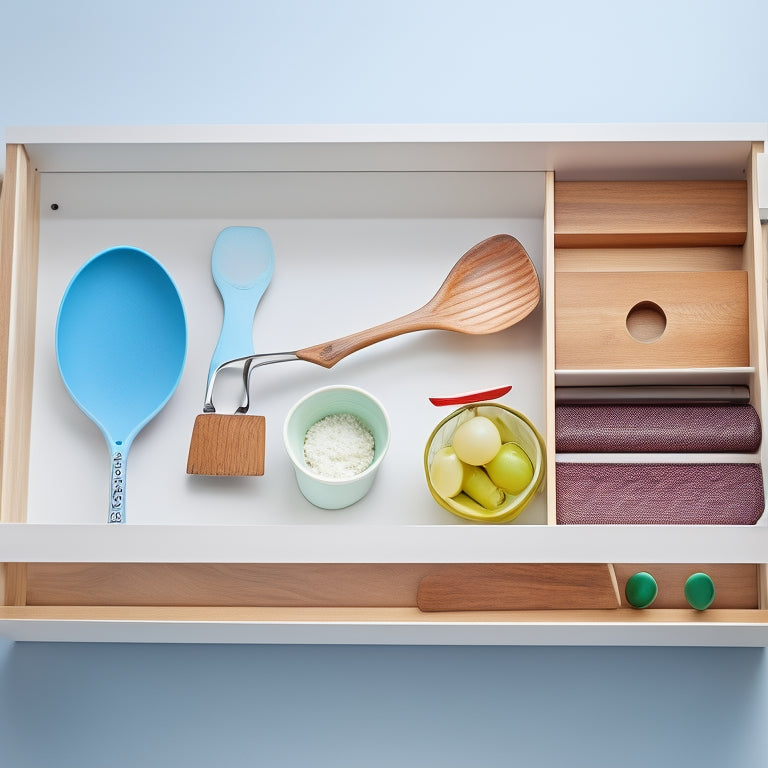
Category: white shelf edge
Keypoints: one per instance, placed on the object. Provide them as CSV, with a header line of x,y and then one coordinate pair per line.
x,y
389,133
21,542
390,633
716,150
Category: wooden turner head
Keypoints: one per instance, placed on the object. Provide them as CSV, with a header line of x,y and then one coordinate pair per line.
x,y
227,445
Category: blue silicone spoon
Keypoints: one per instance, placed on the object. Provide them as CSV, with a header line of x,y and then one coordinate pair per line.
x,y
121,344
242,264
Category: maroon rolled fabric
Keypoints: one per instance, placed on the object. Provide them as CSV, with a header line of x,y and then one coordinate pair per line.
x,y
658,494
656,428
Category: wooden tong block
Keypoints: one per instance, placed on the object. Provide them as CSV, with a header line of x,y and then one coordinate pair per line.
x,y
227,445
596,214
651,320
519,587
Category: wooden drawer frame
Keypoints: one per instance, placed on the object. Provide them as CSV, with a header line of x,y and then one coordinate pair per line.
x,y
303,598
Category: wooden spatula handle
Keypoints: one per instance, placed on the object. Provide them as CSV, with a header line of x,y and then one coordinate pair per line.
x,y
519,586
330,352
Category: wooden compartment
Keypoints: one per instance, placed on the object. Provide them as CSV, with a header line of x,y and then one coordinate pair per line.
x,y
248,560
652,319
633,214
627,314
682,313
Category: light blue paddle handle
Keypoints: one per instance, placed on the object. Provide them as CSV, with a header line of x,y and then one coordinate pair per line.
x,y
242,263
119,454
236,337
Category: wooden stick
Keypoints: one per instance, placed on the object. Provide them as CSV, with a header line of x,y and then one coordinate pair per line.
x,y
13,584
19,238
519,586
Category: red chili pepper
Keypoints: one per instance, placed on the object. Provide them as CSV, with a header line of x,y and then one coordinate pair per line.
x,y
471,397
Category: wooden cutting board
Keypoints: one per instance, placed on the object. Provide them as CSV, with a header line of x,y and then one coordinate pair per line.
x,y
519,586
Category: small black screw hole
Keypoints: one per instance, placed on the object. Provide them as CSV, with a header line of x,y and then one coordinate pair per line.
x,y
54,206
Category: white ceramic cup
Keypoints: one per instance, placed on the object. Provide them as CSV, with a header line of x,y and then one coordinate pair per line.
x,y
326,492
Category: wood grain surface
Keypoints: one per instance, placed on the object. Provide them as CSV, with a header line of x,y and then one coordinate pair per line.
x,y
432,587
226,584
706,316
519,586
19,242
650,213
13,583
227,445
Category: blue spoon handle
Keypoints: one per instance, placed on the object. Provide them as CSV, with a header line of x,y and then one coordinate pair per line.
x,y
117,484
242,264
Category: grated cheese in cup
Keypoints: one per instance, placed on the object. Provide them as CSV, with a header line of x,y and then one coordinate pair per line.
x,y
338,446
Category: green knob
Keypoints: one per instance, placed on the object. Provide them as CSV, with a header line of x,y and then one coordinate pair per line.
x,y
699,591
641,590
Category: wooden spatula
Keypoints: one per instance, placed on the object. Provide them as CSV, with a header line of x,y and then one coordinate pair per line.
x,y
519,587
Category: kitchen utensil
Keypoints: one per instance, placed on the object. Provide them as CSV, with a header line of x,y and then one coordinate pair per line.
x,y
121,343
492,286
519,587
242,264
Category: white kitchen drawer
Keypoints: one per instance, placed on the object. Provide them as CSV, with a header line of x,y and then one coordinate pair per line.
x,y
366,222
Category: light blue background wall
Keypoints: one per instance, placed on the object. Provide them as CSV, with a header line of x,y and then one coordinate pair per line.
x,y
150,61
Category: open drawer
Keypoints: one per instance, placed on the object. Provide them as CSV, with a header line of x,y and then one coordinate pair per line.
x,y
366,222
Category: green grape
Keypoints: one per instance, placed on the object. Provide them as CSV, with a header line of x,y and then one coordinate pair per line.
x,y
510,468
446,472
476,441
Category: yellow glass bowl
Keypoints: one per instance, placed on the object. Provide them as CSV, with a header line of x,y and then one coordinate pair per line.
x,y
514,427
